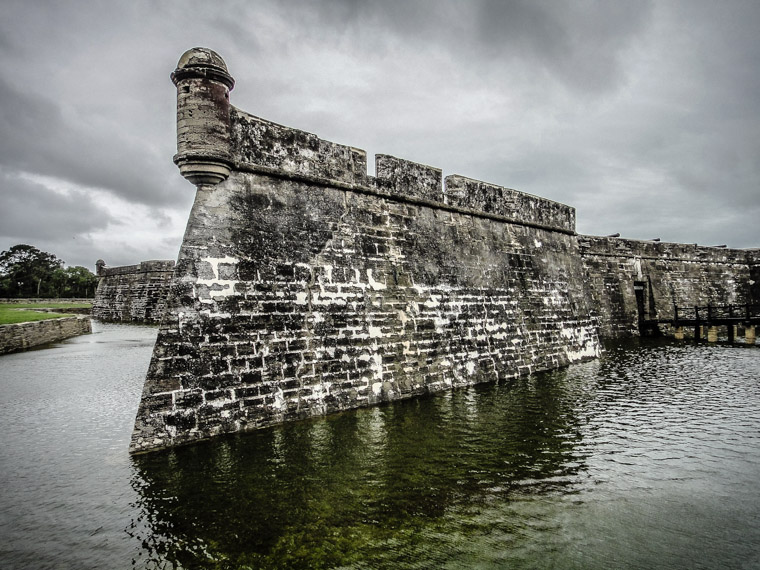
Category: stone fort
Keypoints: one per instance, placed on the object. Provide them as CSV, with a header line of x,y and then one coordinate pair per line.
x,y
304,286
132,293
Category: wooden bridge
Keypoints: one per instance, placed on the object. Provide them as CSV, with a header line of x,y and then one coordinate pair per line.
x,y
710,317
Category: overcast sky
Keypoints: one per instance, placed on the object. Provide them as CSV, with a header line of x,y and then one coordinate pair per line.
x,y
644,116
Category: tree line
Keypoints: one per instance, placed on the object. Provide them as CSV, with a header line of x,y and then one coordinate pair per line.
x,y
25,271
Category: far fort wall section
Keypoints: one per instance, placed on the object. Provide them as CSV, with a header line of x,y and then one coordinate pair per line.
x,y
132,293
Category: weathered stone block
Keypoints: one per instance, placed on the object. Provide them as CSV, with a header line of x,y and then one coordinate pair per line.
x,y
404,178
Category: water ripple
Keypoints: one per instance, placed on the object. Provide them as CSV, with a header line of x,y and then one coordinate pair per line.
x,y
645,458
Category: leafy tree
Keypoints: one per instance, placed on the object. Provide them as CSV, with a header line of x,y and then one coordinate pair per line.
x,y
25,271
74,281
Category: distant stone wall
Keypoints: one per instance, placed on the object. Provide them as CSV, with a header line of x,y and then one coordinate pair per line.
x,y
668,274
133,293
22,336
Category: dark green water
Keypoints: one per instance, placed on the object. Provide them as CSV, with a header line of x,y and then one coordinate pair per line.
x,y
646,458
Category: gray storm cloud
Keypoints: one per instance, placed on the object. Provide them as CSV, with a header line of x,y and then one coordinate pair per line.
x,y
642,115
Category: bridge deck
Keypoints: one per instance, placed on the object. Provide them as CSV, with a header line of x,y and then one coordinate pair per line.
x,y
747,316
715,315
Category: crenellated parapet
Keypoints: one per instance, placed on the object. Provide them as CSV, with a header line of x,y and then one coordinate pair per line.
x,y
522,207
214,136
258,144
407,179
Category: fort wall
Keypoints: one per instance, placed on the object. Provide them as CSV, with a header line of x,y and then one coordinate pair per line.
x,y
133,293
304,286
666,274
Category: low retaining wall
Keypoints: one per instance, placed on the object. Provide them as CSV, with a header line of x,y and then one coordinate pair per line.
x,y
38,300
22,336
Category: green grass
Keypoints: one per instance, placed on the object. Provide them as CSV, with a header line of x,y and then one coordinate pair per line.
x,y
43,305
19,312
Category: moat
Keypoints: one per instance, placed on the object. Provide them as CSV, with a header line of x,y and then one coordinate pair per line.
x,y
645,458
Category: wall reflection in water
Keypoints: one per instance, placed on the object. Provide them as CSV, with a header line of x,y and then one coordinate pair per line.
x,y
367,488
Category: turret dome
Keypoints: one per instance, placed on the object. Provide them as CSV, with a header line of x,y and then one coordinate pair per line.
x,y
202,62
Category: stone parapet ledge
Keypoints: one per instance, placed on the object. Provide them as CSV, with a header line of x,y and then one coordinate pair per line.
x,y
142,267
651,249
210,128
519,206
258,142
405,178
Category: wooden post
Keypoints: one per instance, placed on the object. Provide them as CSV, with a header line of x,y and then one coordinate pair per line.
x,y
749,334
731,332
712,334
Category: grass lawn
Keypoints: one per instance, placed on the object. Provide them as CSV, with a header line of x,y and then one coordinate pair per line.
x,y
43,305
20,312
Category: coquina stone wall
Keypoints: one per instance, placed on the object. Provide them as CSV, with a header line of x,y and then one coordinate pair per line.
x,y
668,274
305,286
22,336
132,293
753,258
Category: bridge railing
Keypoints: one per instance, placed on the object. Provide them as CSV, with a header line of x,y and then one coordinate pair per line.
x,y
710,313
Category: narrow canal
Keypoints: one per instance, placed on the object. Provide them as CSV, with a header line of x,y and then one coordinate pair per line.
x,y
646,458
